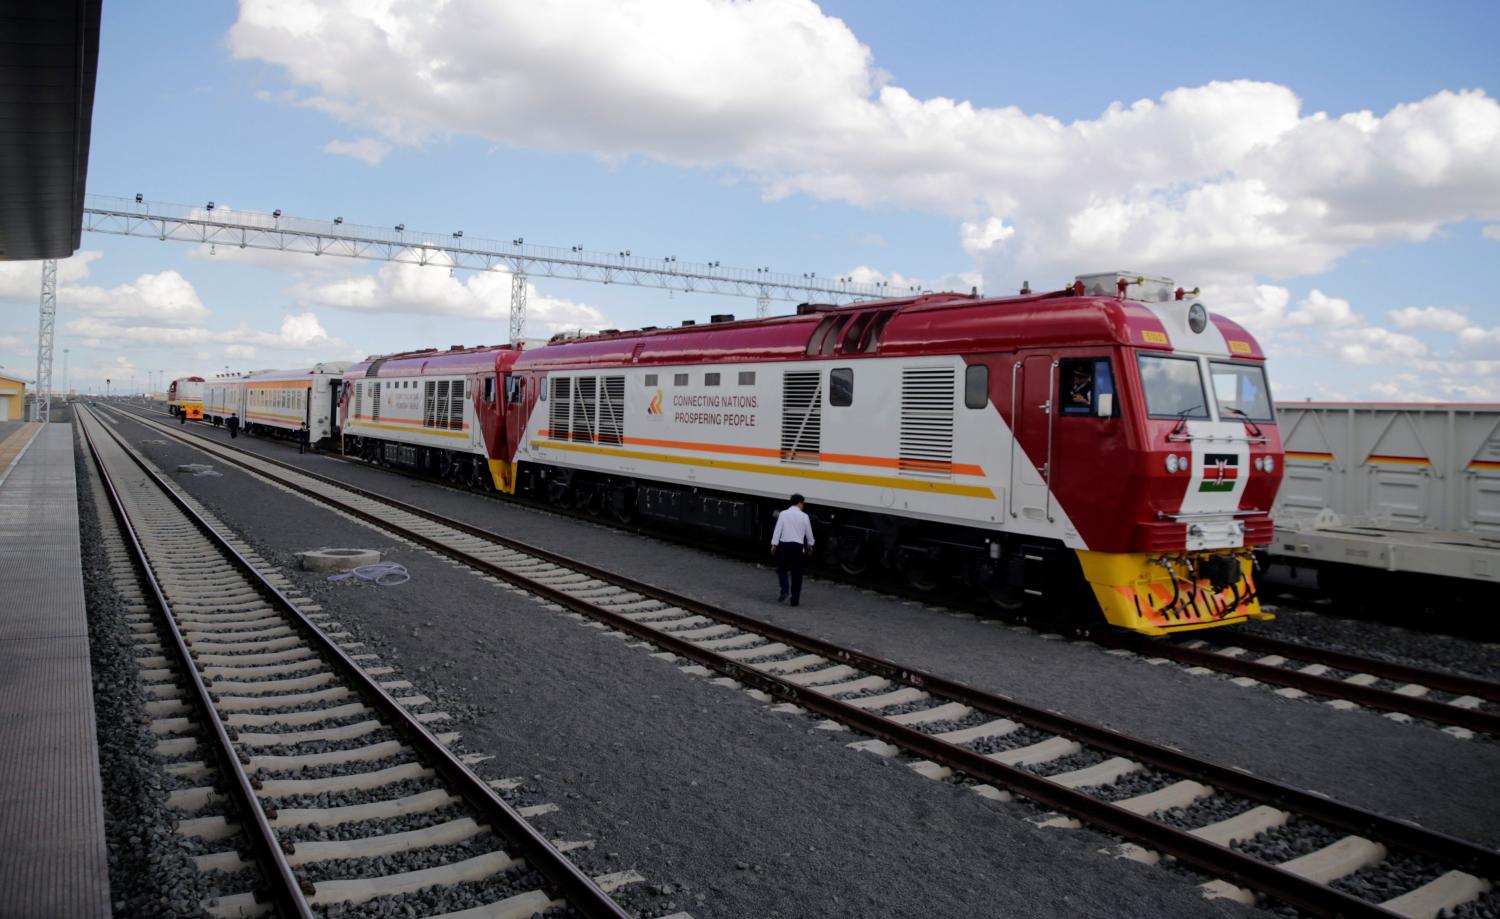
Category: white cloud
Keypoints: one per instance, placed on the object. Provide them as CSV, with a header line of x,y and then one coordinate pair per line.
x,y
1491,232
239,352
1374,345
430,290
10,341
982,236
1475,342
899,285
1429,318
366,149
1258,307
298,332
165,297
1319,309
1220,183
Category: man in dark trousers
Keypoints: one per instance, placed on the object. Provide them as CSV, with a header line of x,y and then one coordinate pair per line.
x,y
233,424
302,438
790,543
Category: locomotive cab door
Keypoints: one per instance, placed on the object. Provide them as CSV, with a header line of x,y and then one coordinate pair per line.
x,y
1033,395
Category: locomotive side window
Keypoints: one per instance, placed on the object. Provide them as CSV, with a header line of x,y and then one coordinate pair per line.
x,y
1087,387
1242,391
976,386
489,388
710,379
1174,387
679,379
841,386
650,379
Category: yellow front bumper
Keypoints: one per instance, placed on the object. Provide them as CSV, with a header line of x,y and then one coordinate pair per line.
x,y
1136,592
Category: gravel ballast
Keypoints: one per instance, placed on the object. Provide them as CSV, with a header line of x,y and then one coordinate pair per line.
x,y
1359,757
730,808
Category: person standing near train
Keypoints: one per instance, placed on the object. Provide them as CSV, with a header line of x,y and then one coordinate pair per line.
x,y
790,543
233,424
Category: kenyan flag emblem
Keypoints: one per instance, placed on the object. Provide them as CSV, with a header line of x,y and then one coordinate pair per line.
x,y
1219,472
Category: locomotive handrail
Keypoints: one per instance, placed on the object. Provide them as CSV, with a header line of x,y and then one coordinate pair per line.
x,y
1227,438
1202,515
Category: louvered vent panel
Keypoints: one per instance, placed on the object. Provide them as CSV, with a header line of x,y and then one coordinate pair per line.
x,y
456,406
429,404
612,411
557,417
927,395
584,394
375,402
359,400
440,405
801,416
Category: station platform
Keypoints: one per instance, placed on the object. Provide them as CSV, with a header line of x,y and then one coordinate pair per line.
x,y
53,856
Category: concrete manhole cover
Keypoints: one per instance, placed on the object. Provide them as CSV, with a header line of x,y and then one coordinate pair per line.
x,y
337,559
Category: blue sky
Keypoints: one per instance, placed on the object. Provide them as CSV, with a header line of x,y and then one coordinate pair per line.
x,y
806,137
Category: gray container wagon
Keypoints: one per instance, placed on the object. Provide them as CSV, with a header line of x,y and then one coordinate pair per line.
x,y
1392,502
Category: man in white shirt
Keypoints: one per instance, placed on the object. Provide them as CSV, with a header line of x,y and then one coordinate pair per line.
x,y
789,546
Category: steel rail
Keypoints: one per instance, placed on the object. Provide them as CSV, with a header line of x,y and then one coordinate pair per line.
x,y
577,888
1217,860
285,889
1456,683
1384,699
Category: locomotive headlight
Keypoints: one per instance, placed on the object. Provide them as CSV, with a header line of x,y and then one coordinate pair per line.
x,y
1172,462
1270,465
1197,317
1259,463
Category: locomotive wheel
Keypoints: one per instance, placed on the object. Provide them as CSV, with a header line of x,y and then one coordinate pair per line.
x,y
920,574
856,563
1008,597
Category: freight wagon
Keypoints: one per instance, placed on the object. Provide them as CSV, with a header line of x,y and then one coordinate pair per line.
x,y
1391,502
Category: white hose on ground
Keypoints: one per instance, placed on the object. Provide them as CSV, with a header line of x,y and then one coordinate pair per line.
x,y
386,574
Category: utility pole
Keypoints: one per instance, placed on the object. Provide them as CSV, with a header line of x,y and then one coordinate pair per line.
x,y
41,406
66,387
517,305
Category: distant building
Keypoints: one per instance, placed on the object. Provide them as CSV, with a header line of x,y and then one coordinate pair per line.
x,y
12,397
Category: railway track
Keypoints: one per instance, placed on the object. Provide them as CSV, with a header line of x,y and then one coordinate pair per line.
x,y
1253,835
278,734
1466,705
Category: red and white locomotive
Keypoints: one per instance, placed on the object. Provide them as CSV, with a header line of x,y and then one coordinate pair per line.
x,y
1108,448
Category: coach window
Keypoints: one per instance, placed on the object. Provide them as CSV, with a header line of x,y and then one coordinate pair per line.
x,y
1174,387
679,379
1087,387
976,386
650,380
710,379
841,386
